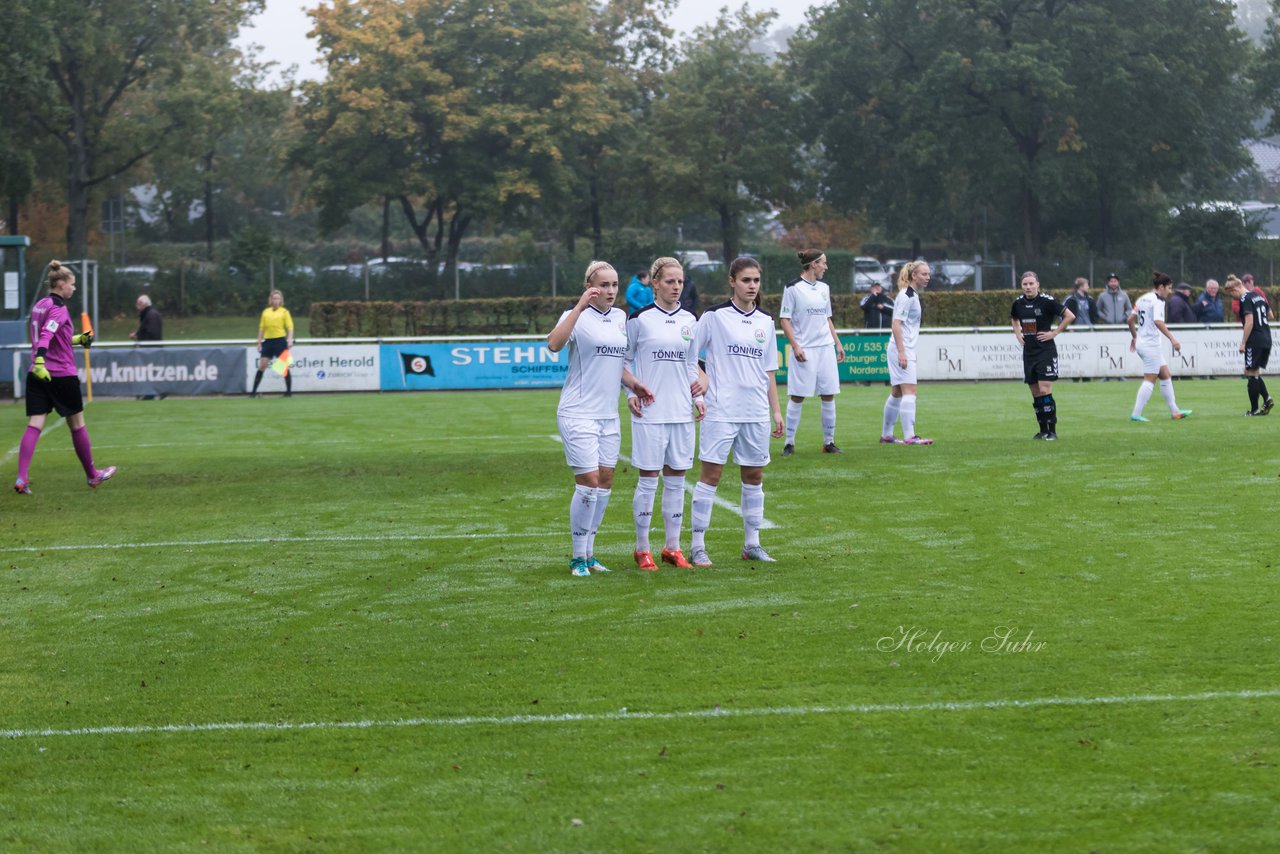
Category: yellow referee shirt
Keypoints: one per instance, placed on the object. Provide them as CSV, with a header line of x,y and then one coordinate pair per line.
x,y
275,323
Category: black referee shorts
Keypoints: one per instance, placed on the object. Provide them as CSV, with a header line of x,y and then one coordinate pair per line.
x,y
59,393
273,347
1041,366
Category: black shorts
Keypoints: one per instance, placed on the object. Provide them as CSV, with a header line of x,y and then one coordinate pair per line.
x,y
1040,366
273,347
60,393
1255,358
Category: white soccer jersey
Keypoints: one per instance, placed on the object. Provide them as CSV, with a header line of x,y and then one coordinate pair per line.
x,y
660,353
739,349
808,306
596,349
906,308
1148,309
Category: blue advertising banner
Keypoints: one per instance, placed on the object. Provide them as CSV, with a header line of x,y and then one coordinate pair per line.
x,y
472,364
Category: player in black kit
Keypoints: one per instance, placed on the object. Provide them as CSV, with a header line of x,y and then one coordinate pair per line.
x,y
1033,315
1255,343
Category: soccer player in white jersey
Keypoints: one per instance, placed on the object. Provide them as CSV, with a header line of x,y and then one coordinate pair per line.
x,y
1146,325
738,345
660,355
815,349
596,335
900,353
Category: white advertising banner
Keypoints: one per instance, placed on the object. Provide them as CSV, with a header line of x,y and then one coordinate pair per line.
x,y
1102,353
322,367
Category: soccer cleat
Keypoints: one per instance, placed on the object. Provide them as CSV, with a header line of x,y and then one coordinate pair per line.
x,y
596,566
676,558
1181,414
1139,418
1041,435
1266,407
22,487
102,476
890,440
831,448
1051,437
788,449
578,567
916,440
644,560
757,552
699,557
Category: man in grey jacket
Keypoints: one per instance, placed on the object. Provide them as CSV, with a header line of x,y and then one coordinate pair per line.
x,y
1114,304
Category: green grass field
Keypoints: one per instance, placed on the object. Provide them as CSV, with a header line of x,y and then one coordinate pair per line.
x,y
196,328
346,624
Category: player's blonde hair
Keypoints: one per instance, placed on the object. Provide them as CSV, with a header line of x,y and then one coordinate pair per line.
x,y
1232,282
908,270
593,268
660,264
59,273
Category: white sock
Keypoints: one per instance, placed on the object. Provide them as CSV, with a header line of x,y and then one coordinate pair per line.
x,y
891,408
752,513
908,415
1166,389
602,501
642,509
703,498
673,508
581,512
793,420
828,422
1144,394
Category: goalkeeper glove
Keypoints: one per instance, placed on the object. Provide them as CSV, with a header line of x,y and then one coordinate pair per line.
x,y
39,371
84,339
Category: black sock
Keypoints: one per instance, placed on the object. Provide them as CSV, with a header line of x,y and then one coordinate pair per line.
x,y
288,382
1039,411
1262,390
257,378
1050,413
1253,394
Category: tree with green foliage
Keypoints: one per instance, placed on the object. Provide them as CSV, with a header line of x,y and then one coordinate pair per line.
x,y
108,81
1055,115
722,136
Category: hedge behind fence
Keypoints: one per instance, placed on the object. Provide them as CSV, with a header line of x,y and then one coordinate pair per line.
x,y
537,315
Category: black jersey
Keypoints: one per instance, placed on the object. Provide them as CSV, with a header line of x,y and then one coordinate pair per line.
x,y
1253,305
1038,314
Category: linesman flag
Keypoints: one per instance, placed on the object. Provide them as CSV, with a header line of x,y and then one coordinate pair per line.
x,y
282,363
415,364
86,325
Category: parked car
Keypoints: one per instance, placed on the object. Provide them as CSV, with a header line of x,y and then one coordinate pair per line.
x,y
868,271
951,274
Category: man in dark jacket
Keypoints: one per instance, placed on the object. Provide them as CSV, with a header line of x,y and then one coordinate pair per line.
x,y
1179,309
1209,306
150,323
1083,306
877,308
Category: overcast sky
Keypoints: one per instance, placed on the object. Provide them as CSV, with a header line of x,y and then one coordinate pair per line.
x,y
282,28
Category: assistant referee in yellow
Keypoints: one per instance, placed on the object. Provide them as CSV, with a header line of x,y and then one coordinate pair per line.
x,y
275,335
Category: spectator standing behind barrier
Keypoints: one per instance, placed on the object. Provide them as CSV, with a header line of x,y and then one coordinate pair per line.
x,y
689,297
150,323
1083,306
1114,304
639,293
1179,309
877,308
1208,307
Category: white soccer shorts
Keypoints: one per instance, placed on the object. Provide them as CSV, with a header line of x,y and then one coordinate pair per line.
x,y
749,442
591,443
656,445
1152,359
818,374
899,375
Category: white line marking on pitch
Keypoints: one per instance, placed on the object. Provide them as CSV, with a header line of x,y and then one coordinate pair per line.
x,y
260,540
624,715
688,487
